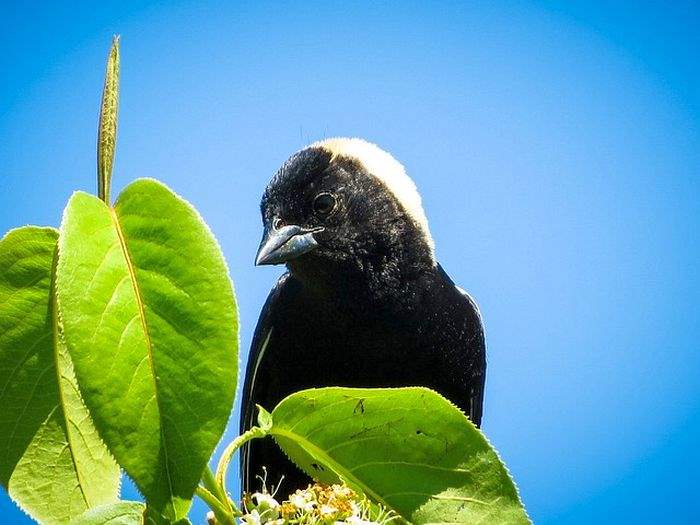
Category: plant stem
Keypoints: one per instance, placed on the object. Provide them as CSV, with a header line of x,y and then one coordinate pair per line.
x,y
217,490
222,467
223,516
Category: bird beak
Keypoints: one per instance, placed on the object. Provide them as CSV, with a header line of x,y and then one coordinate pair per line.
x,y
280,245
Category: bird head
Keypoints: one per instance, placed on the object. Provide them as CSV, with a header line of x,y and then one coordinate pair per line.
x,y
344,205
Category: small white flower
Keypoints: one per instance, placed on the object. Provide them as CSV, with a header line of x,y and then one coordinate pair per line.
x,y
302,501
265,501
252,518
327,510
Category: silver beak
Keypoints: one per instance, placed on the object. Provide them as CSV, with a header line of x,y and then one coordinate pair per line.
x,y
280,245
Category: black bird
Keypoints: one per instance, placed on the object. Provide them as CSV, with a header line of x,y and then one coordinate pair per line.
x,y
364,303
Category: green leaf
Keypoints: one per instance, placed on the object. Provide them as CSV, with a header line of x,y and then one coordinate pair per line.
x,y
151,324
409,449
119,513
264,419
107,128
52,462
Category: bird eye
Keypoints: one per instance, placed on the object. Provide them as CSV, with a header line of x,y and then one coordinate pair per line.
x,y
324,203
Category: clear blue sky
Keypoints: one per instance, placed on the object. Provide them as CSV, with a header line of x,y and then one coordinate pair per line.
x,y
557,148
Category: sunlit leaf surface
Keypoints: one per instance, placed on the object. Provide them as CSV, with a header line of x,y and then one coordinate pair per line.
x,y
52,462
408,448
151,324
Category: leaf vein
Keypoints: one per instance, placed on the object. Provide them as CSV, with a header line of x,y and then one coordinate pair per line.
x,y
149,343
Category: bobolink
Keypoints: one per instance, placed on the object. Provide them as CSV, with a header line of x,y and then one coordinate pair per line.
x,y
364,303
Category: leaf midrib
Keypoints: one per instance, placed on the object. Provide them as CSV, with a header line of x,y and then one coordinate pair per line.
x,y
149,344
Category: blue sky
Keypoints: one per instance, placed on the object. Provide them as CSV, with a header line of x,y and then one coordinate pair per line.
x,y
557,149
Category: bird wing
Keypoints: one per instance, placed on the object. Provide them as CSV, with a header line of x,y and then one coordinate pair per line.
x,y
476,392
261,338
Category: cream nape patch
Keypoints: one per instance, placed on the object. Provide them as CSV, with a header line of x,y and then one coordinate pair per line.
x,y
389,171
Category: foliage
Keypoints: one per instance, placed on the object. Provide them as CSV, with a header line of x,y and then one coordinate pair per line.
x,y
407,448
52,462
119,348
151,291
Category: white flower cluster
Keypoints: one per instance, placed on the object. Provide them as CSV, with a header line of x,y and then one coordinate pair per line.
x,y
315,505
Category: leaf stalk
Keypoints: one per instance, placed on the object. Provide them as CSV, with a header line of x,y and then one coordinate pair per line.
x,y
223,516
229,451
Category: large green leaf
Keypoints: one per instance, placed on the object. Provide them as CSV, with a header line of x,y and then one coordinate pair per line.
x,y
408,448
151,324
52,461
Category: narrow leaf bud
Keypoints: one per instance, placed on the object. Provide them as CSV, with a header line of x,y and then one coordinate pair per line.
x,y
107,132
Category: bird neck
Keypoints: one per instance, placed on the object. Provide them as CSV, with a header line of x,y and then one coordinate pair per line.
x,y
391,284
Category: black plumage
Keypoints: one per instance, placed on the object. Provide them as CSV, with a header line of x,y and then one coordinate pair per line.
x,y
364,303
